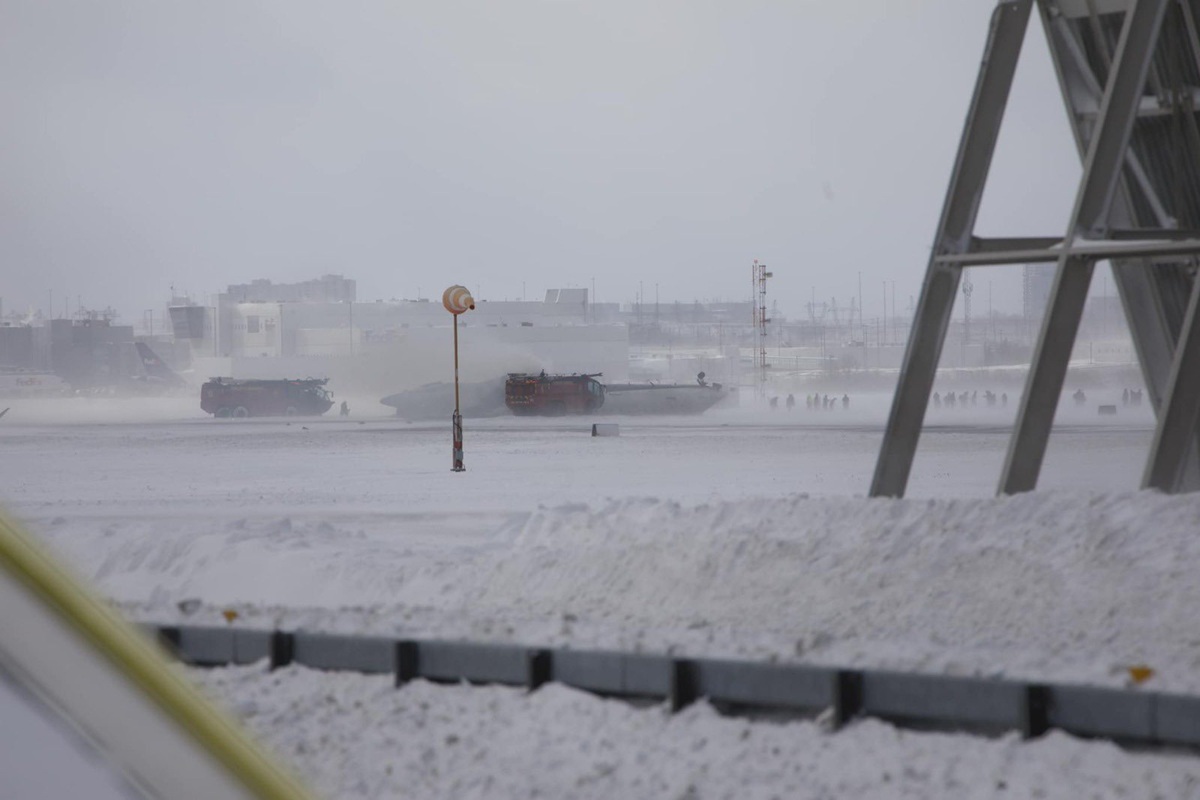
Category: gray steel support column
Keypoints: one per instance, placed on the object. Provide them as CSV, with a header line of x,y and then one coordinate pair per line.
x,y
1154,342
982,127
1044,385
1141,295
1180,414
1090,219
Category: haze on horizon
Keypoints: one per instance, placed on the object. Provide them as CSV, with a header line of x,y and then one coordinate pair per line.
x,y
510,147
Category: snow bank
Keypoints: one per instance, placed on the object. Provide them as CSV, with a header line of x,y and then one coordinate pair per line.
x,y
1053,585
354,736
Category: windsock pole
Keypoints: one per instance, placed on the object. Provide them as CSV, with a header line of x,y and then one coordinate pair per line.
x,y
457,300
457,420
456,405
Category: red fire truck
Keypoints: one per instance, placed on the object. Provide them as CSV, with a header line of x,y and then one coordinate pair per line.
x,y
553,395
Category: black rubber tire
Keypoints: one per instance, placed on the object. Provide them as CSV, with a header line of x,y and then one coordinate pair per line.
x,y
223,413
241,412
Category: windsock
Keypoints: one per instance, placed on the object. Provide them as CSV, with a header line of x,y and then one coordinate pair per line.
x,y
457,299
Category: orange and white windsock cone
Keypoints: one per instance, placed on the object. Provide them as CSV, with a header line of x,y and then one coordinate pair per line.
x,y
457,299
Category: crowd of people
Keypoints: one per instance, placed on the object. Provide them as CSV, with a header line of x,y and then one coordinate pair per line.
x,y
1129,397
814,401
824,402
964,399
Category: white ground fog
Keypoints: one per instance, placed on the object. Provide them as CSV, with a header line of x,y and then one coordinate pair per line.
x,y
728,534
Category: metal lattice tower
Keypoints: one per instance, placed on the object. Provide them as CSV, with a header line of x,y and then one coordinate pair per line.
x,y
758,281
1129,71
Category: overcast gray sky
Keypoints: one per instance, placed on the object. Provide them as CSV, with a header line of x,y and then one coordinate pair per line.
x,y
503,144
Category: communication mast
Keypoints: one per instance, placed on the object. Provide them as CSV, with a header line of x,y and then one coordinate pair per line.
x,y
758,281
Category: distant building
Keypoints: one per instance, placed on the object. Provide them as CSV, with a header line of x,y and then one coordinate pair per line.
x,y
86,353
325,289
1037,281
568,296
315,327
16,348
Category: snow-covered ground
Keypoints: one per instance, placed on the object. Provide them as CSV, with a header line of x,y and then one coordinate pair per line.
x,y
359,737
734,533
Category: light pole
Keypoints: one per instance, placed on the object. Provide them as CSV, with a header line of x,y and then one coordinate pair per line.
x,y
457,300
894,331
862,322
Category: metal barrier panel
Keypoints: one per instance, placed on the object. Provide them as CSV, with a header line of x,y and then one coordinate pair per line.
x,y
481,663
1177,719
787,686
613,673
361,654
206,646
1092,711
946,699
250,646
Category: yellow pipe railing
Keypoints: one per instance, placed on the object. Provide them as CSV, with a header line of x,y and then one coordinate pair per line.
x,y
136,656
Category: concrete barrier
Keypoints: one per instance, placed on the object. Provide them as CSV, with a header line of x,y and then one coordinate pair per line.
x,y
986,705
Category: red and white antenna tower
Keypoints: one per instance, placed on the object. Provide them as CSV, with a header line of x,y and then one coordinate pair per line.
x,y
758,281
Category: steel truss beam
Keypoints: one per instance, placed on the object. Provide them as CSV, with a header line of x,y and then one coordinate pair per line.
x,y
1180,415
1143,293
981,130
1091,220
993,252
1103,226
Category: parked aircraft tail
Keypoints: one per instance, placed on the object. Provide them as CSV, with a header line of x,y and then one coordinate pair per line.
x,y
156,370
